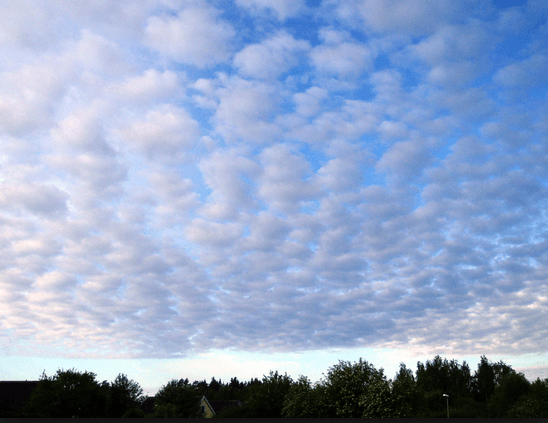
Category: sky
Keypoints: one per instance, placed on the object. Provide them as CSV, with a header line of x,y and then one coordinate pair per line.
x,y
196,189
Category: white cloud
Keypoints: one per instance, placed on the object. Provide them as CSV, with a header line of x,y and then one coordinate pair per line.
x,y
40,199
453,43
527,73
399,16
150,86
339,57
196,36
336,182
229,175
284,186
406,159
453,74
282,9
166,134
245,111
393,130
346,170
28,96
309,102
271,58
213,234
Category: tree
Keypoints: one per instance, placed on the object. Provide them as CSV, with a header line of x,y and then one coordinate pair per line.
x,y
487,377
124,395
378,401
176,399
355,390
267,398
304,400
484,380
68,393
534,403
200,388
406,394
512,387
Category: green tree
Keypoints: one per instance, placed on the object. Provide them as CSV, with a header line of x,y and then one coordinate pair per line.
x,y
447,376
378,401
511,388
487,377
176,399
441,376
124,395
534,403
304,400
267,398
355,390
69,393
406,393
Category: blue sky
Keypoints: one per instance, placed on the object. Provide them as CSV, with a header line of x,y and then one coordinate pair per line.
x,y
220,188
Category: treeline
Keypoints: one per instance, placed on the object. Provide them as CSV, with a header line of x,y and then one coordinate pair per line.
x,y
347,389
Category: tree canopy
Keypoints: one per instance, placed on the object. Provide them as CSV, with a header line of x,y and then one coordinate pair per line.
x,y
347,389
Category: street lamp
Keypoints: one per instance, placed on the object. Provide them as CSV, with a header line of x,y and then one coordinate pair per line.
x,y
447,396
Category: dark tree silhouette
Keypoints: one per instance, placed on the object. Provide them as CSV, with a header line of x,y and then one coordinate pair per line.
x,y
124,395
176,399
68,393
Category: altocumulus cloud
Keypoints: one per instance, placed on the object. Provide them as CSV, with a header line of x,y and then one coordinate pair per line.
x,y
272,176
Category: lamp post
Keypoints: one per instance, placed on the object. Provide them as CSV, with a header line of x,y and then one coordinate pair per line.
x,y
447,396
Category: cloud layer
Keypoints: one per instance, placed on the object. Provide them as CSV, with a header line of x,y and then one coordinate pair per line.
x,y
272,176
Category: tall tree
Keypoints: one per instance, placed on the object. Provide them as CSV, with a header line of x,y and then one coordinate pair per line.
x,y
68,393
356,390
267,398
406,393
124,395
534,403
487,377
304,400
511,388
176,399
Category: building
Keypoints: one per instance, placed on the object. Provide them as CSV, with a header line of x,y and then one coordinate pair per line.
x,y
211,408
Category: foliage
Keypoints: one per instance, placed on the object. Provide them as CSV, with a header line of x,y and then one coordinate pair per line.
x,y
443,375
511,388
124,395
487,378
68,393
378,401
534,403
267,399
406,395
350,389
304,400
176,399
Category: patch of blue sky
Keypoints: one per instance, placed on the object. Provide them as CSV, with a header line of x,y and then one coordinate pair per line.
x,y
363,91
315,157
192,172
310,207
193,72
373,178
503,4
445,147
411,79
239,18
382,61
306,28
